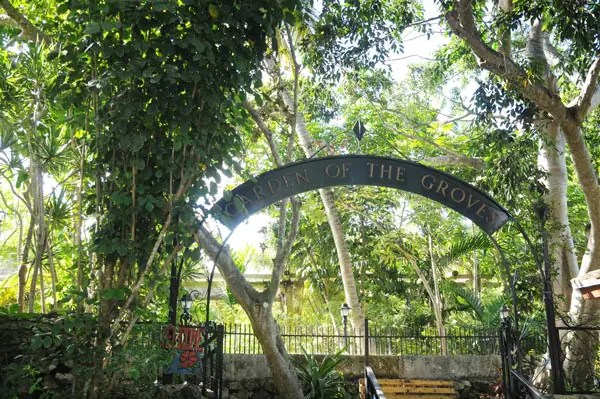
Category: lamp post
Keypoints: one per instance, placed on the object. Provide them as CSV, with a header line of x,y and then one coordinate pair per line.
x,y
187,300
504,314
506,351
345,311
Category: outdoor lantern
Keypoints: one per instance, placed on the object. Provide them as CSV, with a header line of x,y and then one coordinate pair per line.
x,y
504,313
345,310
186,302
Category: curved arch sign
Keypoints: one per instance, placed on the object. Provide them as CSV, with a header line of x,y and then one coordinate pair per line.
x,y
313,174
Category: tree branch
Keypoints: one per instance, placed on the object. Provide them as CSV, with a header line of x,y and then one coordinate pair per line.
x,y
265,131
584,101
14,191
462,23
285,247
449,160
424,21
244,293
5,20
28,30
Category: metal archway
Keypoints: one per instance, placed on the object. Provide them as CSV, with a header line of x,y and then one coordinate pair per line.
x,y
344,170
315,173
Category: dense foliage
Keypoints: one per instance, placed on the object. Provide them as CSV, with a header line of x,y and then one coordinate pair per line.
x,y
120,122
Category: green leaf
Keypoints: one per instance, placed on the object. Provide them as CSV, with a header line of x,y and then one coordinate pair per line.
x,y
134,373
213,11
36,343
239,204
56,329
115,293
92,28
22,177
149,206
139,164
47,341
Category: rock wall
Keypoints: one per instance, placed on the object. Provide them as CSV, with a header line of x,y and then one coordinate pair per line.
x,y
15,334
248,376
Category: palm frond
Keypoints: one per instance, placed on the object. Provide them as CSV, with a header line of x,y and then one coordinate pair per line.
x,y
492,308
471,299
58,209
464,246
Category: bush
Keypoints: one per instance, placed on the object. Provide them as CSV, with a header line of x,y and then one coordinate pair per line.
x,y
321,380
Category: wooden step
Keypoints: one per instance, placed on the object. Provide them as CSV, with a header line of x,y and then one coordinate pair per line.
x,y
416,383
408,389
413,389
416,396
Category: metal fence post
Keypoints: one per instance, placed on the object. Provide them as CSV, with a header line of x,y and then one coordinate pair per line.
x,y
205,356
366,342
219,366
505,352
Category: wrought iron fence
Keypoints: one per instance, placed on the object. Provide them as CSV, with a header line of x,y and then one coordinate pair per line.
x,y
240,339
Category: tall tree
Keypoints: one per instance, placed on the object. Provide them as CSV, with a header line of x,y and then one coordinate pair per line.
x,y
562,94
561,116
154,90
258,305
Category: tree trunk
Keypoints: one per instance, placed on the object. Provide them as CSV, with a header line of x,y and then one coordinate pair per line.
x,y
52,274
437,311
560,239
437,300
357,318
475,274
258,307
39,219
23,266
78,225
577,346
266,331
42,291
328,307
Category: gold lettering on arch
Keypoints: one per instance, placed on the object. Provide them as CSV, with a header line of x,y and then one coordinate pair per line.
x,y
317,173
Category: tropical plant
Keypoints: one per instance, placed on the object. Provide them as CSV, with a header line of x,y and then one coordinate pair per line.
x,y
484,311
319,378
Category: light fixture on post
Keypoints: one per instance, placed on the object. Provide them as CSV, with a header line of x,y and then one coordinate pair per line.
x,y
345,311
187,300
506,350
504,313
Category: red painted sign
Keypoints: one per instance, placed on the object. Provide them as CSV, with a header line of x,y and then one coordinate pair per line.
x,y
183,338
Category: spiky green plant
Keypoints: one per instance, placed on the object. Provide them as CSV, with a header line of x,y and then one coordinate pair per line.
x,y
320,379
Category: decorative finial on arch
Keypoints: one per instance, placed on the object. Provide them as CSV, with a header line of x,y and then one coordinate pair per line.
x,y
359,130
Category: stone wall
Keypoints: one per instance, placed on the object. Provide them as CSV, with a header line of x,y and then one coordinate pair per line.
x,y
15,334
248,376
